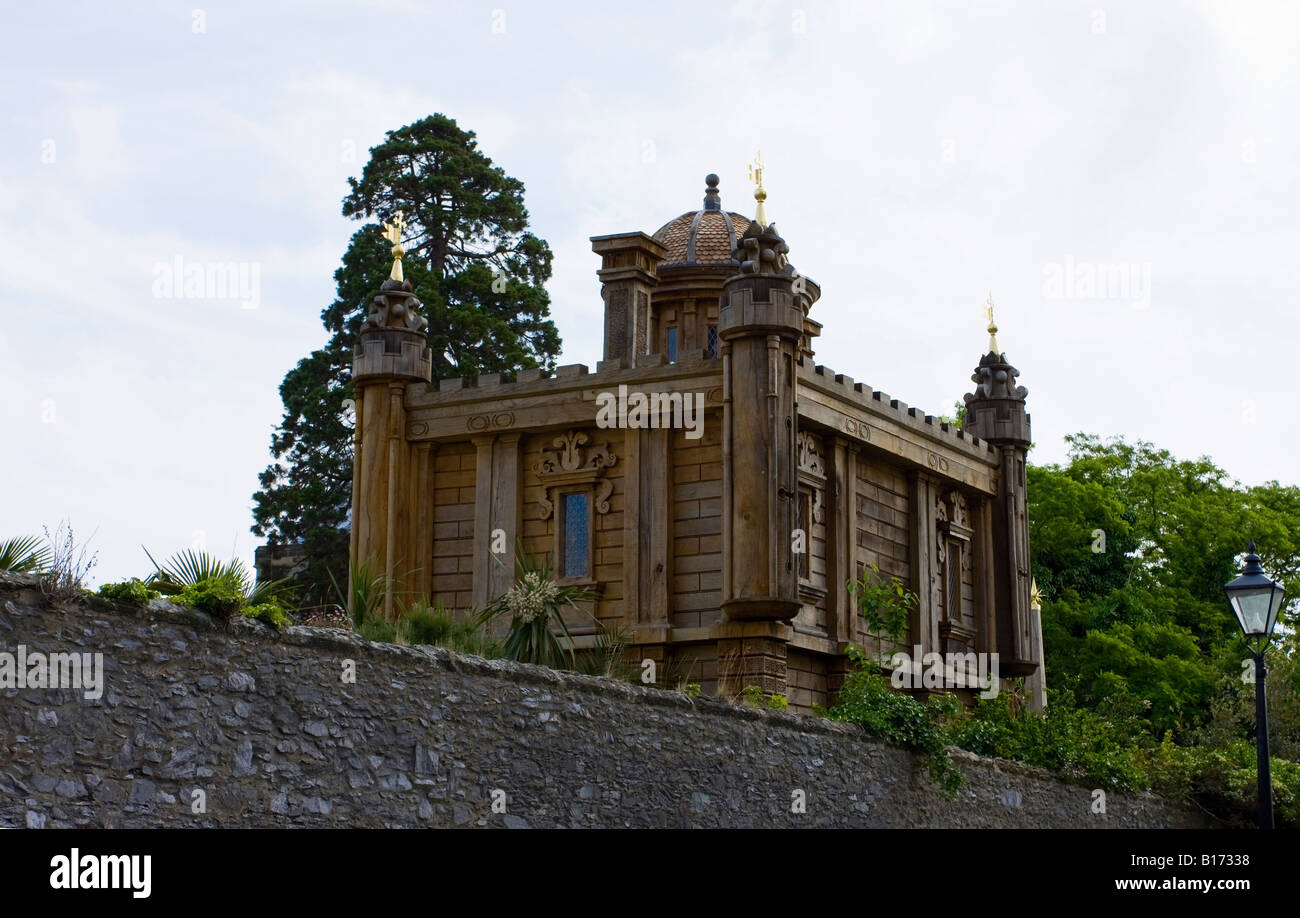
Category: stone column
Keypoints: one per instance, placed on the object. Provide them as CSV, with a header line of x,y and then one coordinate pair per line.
x,y
627,276
496,506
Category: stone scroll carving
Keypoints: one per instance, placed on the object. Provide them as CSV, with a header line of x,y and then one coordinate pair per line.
x,y
571,462
812,471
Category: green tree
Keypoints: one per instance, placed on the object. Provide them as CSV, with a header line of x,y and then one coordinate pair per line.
x,y
479,273
1142,624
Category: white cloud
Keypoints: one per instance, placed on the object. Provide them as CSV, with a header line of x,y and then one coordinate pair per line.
x,y
917,157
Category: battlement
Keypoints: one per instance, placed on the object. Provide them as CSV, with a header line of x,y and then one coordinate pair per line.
x,y
647,369
883,405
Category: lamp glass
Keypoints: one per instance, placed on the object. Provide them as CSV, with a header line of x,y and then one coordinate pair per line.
x,y
1256,607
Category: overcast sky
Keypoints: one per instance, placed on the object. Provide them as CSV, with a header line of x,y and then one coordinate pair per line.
x,y
918,157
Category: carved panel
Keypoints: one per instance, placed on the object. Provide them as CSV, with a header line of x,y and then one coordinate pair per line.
x,y
810,455
569,463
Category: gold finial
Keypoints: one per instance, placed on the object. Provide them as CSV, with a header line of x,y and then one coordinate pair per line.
x,y
993,326
1035,597
393,233
760,195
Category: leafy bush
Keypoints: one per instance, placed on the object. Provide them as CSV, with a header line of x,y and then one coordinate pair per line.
x,y
269,612
220,597
1070,741
885,605
134,591
867,699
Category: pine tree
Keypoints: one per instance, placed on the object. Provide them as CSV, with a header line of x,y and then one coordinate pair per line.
x,y
479,273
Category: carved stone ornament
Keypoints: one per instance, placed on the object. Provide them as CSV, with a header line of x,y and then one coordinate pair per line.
x,y
810,457
568,463
395,307
952,517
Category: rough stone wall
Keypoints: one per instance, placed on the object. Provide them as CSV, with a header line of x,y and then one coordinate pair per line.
x,y
266,728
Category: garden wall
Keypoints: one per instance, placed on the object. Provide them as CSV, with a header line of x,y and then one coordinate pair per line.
x,y
268,732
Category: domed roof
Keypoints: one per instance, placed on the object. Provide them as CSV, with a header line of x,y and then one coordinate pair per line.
x,y
702,237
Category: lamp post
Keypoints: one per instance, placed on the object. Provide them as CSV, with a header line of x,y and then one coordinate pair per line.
x,y
1256,600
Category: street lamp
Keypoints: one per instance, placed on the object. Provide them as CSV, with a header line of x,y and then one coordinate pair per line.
x,y
1256,600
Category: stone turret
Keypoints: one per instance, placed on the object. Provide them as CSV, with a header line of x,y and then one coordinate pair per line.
x,y
760,325
392,352
995,412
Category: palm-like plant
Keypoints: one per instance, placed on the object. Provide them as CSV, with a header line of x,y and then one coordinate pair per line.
x,y
190,568
536,605
25,554
366,591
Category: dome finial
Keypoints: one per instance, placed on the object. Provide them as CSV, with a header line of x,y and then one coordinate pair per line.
x,y
711,199
760,194
993,326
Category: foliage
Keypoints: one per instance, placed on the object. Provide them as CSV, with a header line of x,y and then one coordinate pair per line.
x,y
1232,709
219,596
69,564
1135,623
378,630
867,699
1071,741
885,605
364,593
536,606
753,695
607,657
25,555
134,591
191,568
692,689
422,623
957,418
479,273
272,613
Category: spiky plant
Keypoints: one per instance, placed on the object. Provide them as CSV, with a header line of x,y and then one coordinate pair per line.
x,y
190,568
536,605
26,555
365,591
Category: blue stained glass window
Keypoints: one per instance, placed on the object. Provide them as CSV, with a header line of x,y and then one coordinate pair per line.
x,y
713,341
672,345
576,536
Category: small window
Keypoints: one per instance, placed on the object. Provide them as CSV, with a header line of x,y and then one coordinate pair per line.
x,y
575,534
672,345
713,341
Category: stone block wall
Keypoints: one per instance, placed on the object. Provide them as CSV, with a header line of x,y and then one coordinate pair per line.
x,y
266,727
